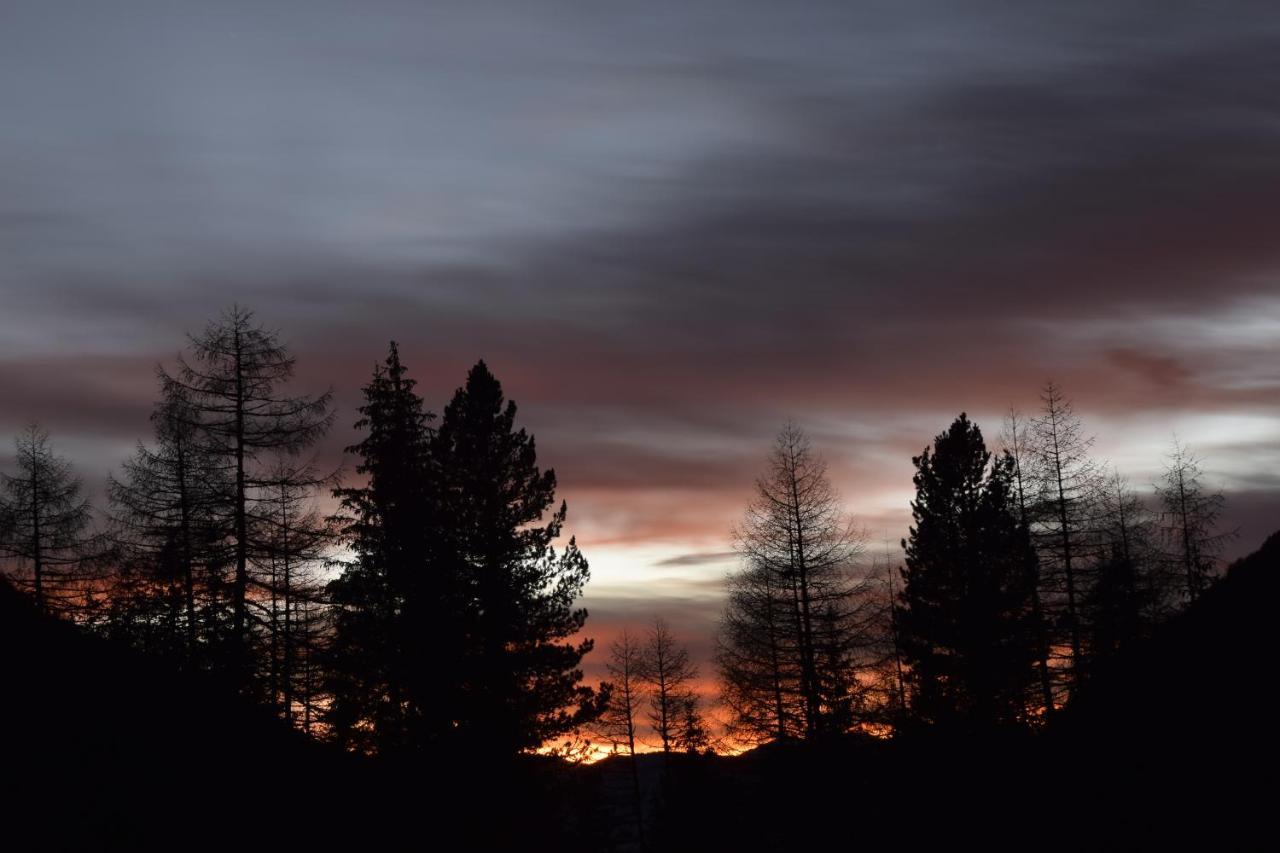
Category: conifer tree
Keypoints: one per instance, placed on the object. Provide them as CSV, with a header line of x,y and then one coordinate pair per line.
x,y
44,522
966,602
523,677
388,522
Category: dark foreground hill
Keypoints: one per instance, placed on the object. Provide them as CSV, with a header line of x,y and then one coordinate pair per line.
x,y
1172,744
102,748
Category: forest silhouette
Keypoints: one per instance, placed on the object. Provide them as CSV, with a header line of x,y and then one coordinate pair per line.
x,y
212,659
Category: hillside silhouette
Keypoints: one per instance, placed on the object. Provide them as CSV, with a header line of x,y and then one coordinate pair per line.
x,y
1170,742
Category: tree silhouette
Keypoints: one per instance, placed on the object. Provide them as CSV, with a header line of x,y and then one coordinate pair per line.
x,y
44,522
966,600
296,540
376,660
618,721
1017,446
235,382
523,681
1120,604
667,671
794,597
691,728
755,658
1188,520
1065,521
164,514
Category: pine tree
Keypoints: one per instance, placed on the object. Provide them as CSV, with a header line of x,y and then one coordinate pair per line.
x,y
523,676
966,602
235,384
691,729
376,665
44,523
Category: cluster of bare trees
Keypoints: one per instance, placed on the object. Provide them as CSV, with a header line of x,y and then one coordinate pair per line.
x,y
211,549
653,680
1108,564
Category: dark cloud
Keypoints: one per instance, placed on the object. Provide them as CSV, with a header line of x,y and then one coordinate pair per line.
x,y
714,558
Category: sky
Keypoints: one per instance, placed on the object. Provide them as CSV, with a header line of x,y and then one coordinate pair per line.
x,y
668,228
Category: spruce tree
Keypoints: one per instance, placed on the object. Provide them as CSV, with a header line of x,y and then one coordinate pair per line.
x,y
376,665
966,602
523,677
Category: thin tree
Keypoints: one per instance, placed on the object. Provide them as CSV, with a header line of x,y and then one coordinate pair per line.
x,y
1016,445
618,721
1188,520
1122,599
798,547
164,523
1067,483
44,521
295,540
668,673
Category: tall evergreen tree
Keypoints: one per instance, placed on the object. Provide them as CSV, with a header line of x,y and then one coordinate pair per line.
x,y
378,674
44,523
523,678
966,601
